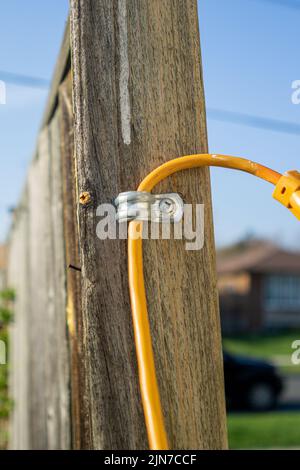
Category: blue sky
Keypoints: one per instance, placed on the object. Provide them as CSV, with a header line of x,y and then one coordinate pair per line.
x,y
30,36
250,58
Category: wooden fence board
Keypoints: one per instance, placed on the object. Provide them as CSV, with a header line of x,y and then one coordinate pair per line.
x,y
38,186
41,316
138,101
18,272
59,350
80,406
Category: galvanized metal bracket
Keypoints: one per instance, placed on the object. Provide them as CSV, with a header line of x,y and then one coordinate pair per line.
x,y
144,206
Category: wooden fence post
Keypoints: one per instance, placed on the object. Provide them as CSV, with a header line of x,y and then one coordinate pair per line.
x,y
79,404
138,101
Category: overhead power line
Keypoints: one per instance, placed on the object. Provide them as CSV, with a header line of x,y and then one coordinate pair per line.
x,y
24,80
212,113
283,3
270,124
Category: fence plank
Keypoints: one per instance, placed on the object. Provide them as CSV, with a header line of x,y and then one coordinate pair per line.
x,y
18,272
80,408
61,70
138,101
59,348
39,205
42,315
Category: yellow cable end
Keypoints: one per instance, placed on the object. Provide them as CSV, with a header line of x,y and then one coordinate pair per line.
x,y
287,191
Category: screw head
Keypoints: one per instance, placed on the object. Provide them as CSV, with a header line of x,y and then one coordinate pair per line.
x,y
85,198
167,206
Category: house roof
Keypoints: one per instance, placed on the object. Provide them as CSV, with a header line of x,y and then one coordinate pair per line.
x,y
257,257
3,257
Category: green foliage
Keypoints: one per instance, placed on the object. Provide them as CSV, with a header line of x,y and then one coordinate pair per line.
x,y
263,345
5,402
6,316
6,405
4,434
264,430
3,377
8,295
4,335
267,346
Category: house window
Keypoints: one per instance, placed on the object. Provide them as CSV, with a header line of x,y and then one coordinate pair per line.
x,y
282,293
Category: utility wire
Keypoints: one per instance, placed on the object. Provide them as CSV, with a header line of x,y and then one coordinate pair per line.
x,y
283,3
258,121
212,113
24,80
270,124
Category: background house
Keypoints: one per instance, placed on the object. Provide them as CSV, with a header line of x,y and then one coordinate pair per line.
x,y
259,286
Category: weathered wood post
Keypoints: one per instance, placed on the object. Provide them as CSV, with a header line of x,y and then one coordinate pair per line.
x,y
138,101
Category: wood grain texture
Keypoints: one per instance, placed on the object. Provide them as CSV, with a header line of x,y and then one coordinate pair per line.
x,y
138,101
39,204
18,271
80,408
59,347
49,364
40,362
62,68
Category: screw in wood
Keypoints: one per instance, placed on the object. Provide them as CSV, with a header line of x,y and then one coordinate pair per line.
x,y
85,198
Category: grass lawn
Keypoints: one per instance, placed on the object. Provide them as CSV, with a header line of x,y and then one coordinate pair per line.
x,y
264,430
266,346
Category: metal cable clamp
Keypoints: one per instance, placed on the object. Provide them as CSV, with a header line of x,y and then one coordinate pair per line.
x,y
144,206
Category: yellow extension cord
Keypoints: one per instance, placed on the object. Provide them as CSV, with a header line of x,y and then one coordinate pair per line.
x,y
288,184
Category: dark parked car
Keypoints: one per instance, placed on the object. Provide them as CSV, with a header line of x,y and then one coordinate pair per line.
x,y
251,383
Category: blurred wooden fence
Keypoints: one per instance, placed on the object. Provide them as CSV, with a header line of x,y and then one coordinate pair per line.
x,y
40,365
137,100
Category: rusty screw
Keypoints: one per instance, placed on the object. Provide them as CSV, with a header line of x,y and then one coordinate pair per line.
x,y
85,198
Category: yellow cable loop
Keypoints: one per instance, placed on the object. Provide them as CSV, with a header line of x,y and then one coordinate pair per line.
x,y
154,419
